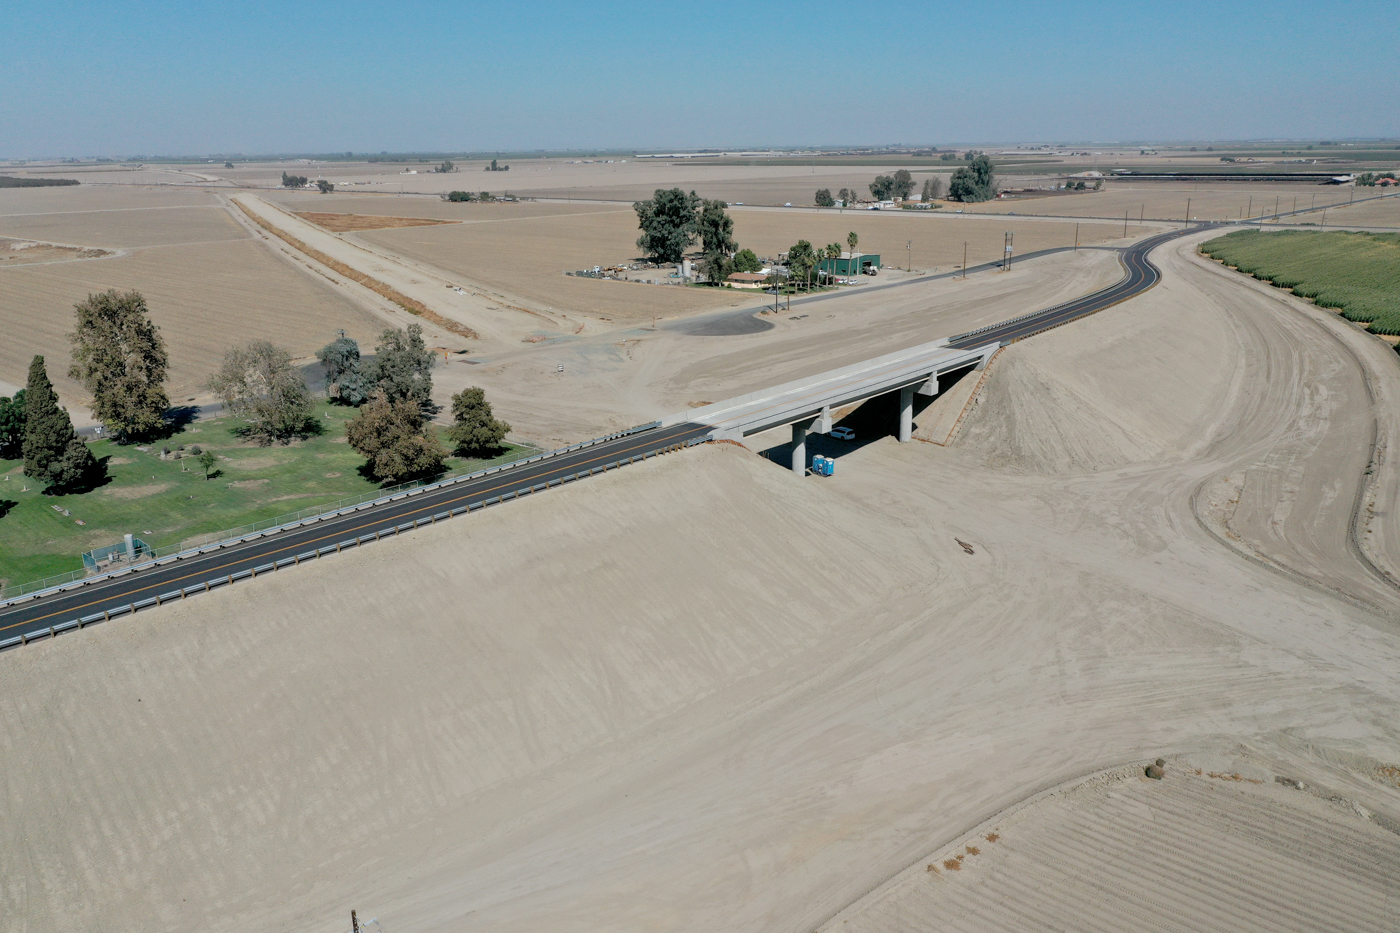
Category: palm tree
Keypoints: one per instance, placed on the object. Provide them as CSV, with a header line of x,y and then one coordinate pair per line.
x,y
833,252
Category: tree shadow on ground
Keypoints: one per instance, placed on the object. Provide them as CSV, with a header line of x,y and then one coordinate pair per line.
x,y
6,505
312,427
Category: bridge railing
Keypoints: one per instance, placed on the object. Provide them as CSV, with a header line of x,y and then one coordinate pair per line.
x,y
17,593
295,560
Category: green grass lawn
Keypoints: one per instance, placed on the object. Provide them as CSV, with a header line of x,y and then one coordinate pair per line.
x,y
1356,273
165,502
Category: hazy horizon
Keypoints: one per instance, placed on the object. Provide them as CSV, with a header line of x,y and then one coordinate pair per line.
x,y
145,79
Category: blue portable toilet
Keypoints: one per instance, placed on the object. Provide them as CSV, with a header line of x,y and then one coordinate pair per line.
x,y
830,466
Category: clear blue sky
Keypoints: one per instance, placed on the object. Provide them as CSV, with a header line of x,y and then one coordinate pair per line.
x,y
130,78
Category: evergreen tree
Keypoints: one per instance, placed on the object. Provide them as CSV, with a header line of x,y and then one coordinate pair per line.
x,y
824,198
12,426
53,452
474,429
119,356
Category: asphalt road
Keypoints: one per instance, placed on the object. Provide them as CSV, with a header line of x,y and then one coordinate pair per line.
x,y
1141,275
38,615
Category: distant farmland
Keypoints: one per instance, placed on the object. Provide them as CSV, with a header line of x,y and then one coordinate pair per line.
x,y
1356,273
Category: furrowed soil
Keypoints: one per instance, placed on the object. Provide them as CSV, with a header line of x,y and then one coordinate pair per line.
x,y
702,693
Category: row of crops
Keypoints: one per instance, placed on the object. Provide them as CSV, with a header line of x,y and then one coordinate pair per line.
x,y
1356,273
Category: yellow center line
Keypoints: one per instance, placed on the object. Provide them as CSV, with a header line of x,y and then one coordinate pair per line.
x,y
207,570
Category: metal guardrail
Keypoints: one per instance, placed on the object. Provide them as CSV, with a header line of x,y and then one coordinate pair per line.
x,y
15,594
359,541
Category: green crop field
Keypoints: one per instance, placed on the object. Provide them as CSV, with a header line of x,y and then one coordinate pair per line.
x,y
165,502
1356,273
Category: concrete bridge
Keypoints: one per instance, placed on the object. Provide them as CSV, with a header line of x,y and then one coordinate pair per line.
x,y
807,404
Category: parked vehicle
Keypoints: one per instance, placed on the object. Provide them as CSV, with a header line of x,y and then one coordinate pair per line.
x,y
843,434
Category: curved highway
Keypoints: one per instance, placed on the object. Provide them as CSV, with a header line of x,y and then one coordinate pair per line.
x,y
1140,275
40,615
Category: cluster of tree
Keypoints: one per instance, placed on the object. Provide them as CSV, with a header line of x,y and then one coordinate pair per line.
x,y
973,182
468,196
293,181
493,167
445,167
228,165
672,220
804,261
53,452
899,186
9,181
948,157
1369,179
399,444
824,198
324,186
933,188
401,368
846,195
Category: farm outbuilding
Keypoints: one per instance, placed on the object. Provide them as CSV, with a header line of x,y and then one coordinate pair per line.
x,y
865,263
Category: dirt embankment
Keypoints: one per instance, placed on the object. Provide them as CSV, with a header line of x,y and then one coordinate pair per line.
x,y
411,305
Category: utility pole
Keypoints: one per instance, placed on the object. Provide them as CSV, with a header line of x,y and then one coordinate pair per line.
x,y
1006,263
1295,205
1076,238
354,923
1275,209
1187,225
964,259
1324,217
1125,223
909,247
1142,209
1250,212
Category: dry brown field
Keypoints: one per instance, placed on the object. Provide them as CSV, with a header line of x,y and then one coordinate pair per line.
x,y
346,223
528,255
1384,213
1167,200
208,285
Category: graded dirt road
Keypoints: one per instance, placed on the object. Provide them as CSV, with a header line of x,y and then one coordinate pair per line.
x,y
704,694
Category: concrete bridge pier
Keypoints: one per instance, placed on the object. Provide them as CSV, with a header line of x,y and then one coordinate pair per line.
x,y
799,449
906,414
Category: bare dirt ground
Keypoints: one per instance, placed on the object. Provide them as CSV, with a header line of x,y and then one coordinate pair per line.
x,y
1382,213
28,252
1219,201
702,693
208,282
1113,853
